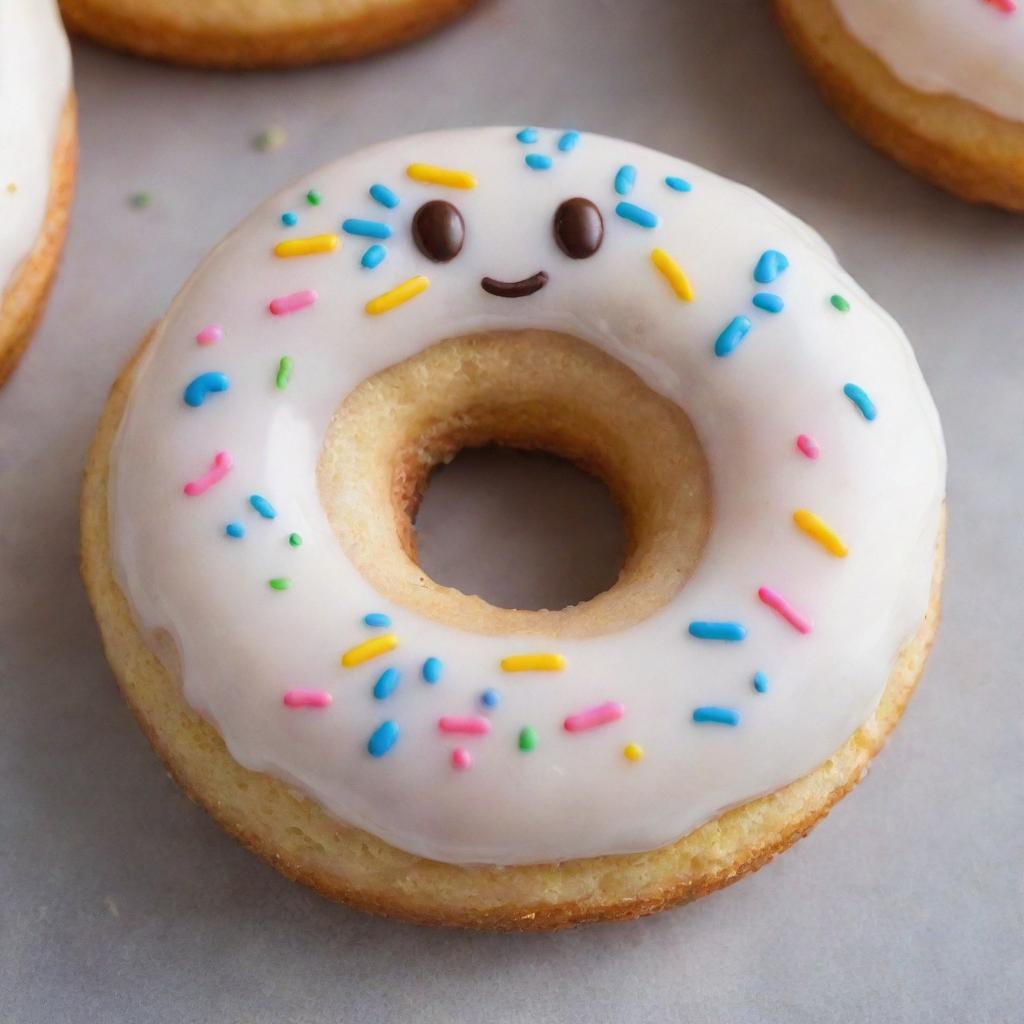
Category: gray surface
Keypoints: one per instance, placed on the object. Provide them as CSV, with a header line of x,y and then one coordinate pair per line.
x,y
120,901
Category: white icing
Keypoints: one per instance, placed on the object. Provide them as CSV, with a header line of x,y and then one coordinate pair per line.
x,y
879,484
965,48
35,75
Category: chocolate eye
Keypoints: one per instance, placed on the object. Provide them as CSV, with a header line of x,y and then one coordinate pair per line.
x,y
438,231
579,228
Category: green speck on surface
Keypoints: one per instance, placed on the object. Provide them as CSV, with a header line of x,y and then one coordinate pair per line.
x,y
840,303
140,200
528,738
284,373
295,540
313,197
280,583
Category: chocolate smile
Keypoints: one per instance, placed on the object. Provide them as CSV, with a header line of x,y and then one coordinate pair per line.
x,y
515,289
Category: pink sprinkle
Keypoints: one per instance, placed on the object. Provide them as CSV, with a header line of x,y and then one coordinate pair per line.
x,y
778,603
808,446
307,699
210,335
222,462
1006,6
474,725
290,303
611,711
462,759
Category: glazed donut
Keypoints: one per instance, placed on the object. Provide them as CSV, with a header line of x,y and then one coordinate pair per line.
x,y
414,750
939,87
37,164
256,33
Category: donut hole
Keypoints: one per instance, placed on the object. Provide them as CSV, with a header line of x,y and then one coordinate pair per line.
x,y
533,391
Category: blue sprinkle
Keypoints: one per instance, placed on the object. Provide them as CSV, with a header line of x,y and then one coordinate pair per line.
x,y
262,506
203,385
289,219
387,684
490,698
678,184
236,530
432,669
377,619
729,340
859,397
731,631
769,266
760,682
538,161
625,179
383,195
769,302
719,716
384,737
637,214
528,136
567,143
374,256
366,228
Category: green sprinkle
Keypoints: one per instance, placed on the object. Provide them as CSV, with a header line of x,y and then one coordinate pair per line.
x,y
140,200
280,583
284,372
313,197
295,540
269,139
840,303
528,738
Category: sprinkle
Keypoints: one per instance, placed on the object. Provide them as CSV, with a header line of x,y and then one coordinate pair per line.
x,y
262,506
778,603
431,175
717,716
533,663
386,684
729,340
817,529
384,737
678,184
537,161
366,228
840,303
625,179
859,397
210,335
637,214
307,699
808,446
280,583
289,219
11,188
730,631
400,293
527,739
368,649
760,682
140,200
1006,6
568,142
374,256
673,273
385,196
490,698
285,304
769,302
222,462
269,139
205,384
295,540
462,759
470,725
284,373
306,246
313,197
527,136
236,530
769,266
633,752
602,714
432,669
377,620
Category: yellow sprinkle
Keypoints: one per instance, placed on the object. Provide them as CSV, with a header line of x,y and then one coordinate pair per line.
x,y
11,187
369,649
400,293
533,663
820,531
633,752
306,246
431,175
674,274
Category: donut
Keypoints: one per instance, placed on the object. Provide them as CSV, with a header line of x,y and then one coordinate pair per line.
x,y
256,33
413,750
37,165
938,87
